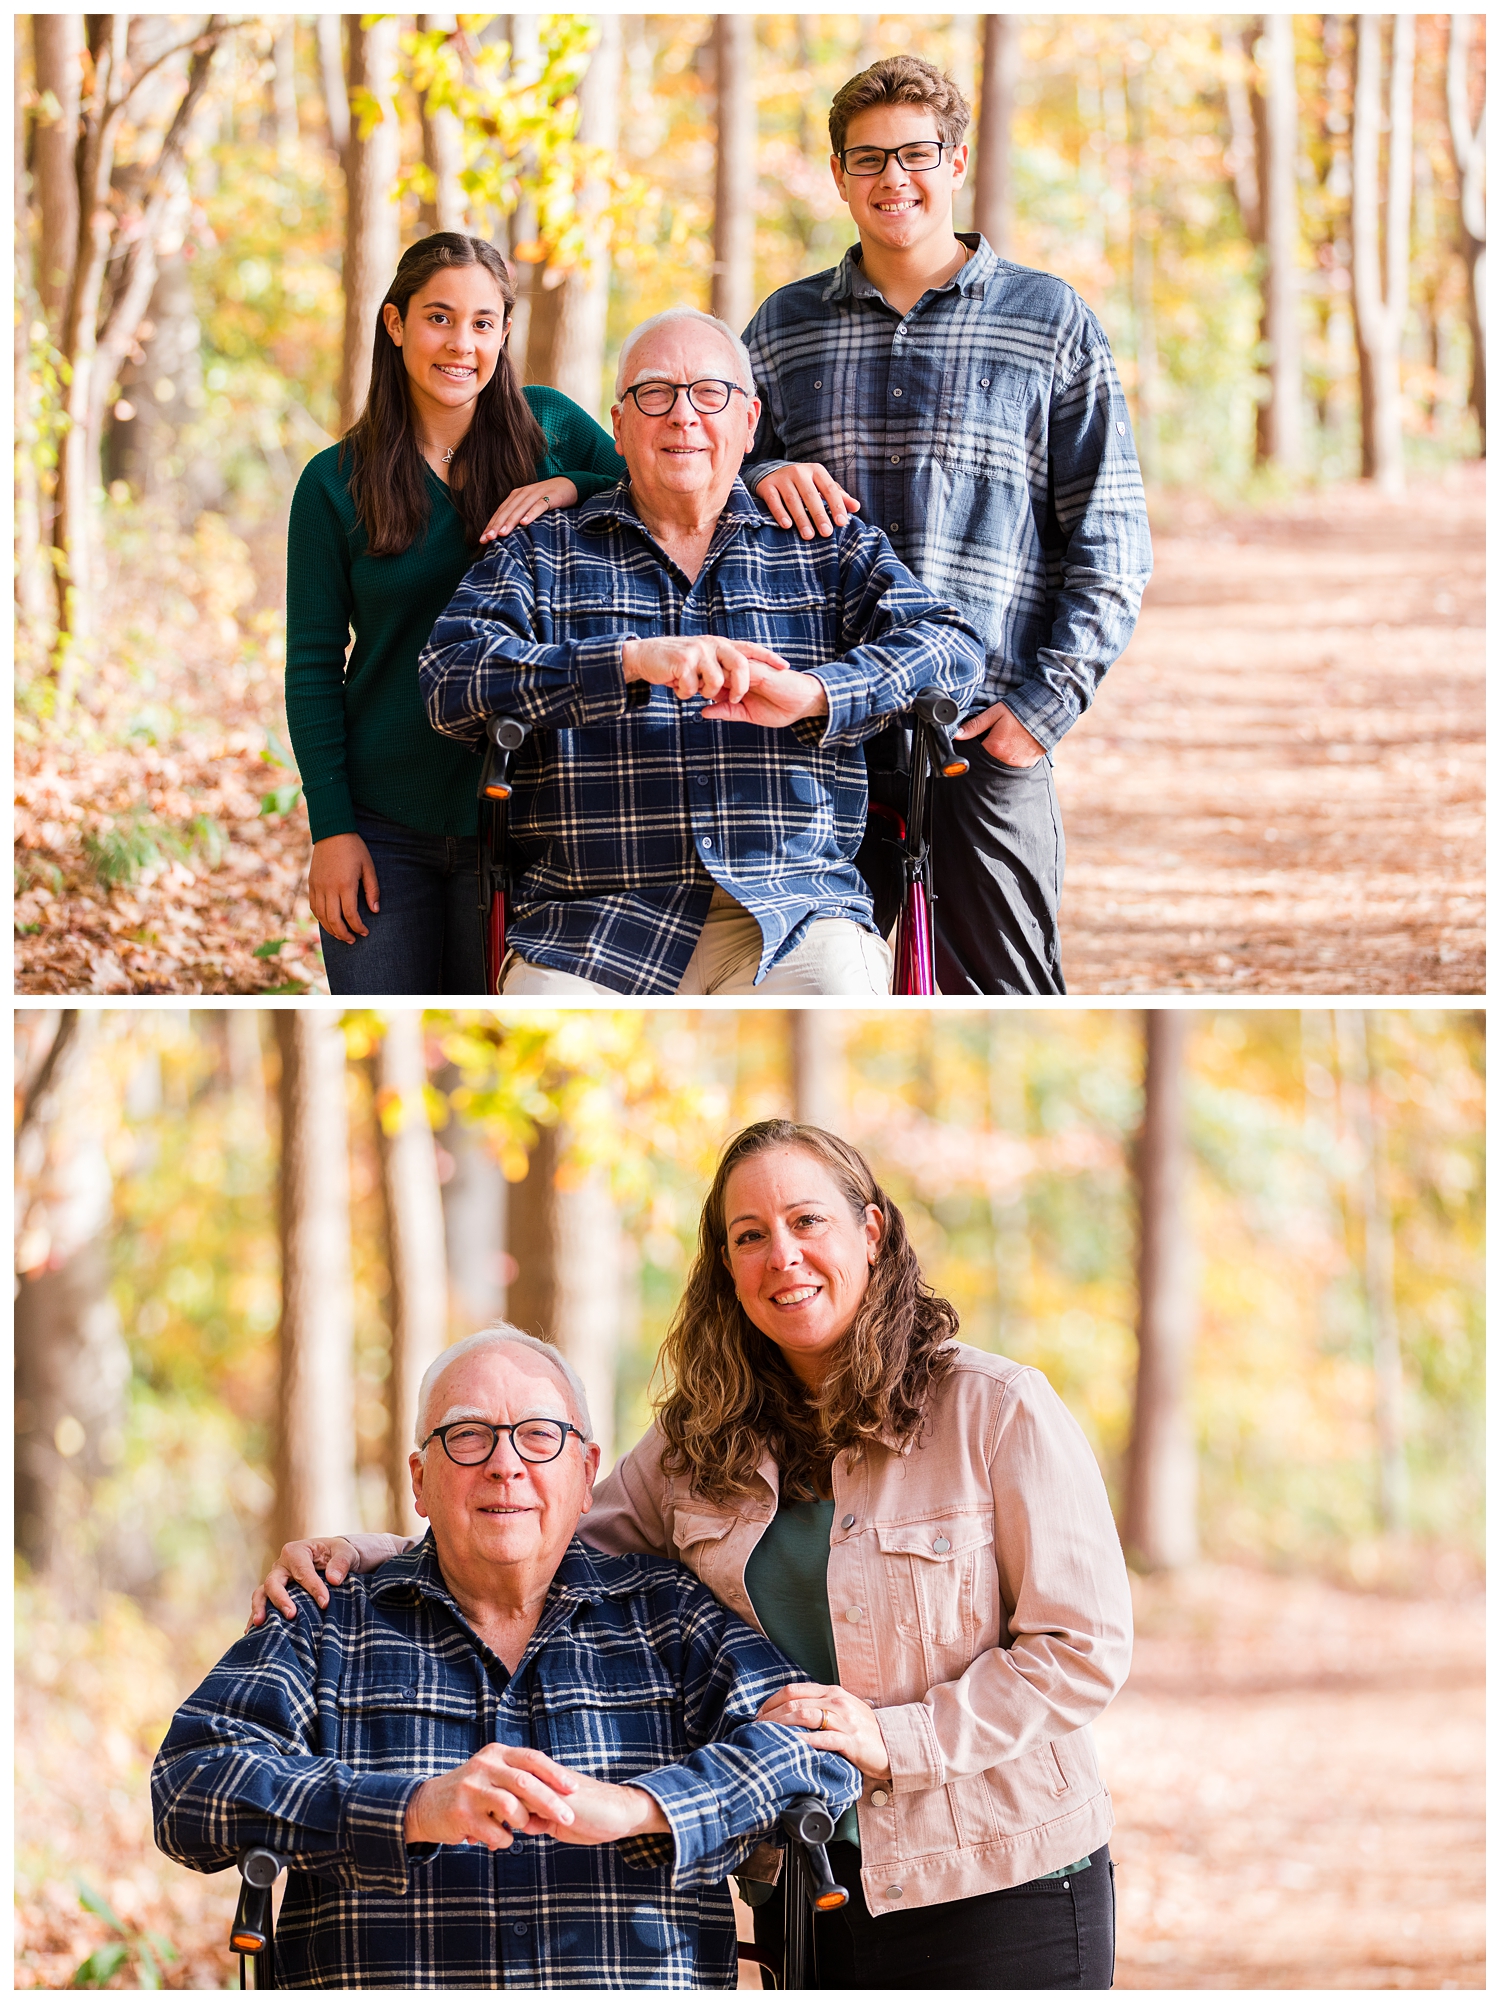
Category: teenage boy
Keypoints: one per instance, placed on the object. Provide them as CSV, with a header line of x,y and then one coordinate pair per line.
x,y
973,408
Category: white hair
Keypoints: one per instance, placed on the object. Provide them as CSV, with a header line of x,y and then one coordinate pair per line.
x,y
498,1334
746,375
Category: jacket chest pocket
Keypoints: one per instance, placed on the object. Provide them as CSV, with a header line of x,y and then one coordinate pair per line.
x,y
406,1728
940,1577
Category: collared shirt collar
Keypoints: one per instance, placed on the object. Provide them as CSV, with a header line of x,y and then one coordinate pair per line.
x,y
617,505
849,280
416,1575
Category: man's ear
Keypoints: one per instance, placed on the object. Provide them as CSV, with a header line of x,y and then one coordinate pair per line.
x,y
590,1472
414,1463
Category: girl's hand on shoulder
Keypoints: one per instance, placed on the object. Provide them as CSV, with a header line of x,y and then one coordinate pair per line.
x,y
833,1719
304,1559
524,504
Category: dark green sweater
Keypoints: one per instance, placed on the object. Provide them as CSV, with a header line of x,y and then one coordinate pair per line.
x,y
359,732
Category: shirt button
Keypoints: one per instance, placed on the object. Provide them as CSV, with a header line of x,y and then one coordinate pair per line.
x,y
895,459
894,1892
894,527
895,393
703,779
984,382
708,841
1120,426
520,1927
818,385
880,1797
941,1545
847,1523
854,1614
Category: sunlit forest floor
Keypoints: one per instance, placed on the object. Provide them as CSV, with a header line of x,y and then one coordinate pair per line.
x,y
1297,1771
1280,789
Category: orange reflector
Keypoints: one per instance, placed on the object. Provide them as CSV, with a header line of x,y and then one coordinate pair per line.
x,y
247,1944
958,767
825,1902
497,792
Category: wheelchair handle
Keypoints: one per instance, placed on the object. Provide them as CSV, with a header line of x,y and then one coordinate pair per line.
x,y
937,710
809,1825
504,736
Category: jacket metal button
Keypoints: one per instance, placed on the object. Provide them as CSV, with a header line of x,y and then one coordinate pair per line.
x,y
880,1797
941,1545
854,1614
847,1523
894,1892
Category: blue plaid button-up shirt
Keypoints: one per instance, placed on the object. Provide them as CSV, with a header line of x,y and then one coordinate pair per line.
x,y
986,432
628,805
311,1736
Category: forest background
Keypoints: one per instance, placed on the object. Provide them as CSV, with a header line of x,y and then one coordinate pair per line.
x,y
1246,1247
1279,220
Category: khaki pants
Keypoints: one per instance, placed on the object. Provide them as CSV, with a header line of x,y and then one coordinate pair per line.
x,y
833,957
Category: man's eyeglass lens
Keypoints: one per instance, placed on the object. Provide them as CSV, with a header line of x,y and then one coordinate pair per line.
x,y
707,395
917,158
533,1440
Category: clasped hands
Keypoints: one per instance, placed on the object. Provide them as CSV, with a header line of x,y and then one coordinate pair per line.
x,y
501,1791
745,682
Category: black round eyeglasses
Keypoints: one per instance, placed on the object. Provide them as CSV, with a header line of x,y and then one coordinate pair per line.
x,y
468,1442
710,395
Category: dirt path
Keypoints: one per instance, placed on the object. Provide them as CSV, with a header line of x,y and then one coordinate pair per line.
x,y
1298,1777
1281,786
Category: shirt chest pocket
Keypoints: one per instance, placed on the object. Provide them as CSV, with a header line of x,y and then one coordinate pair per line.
x,y
819,418
404,1724
940,1577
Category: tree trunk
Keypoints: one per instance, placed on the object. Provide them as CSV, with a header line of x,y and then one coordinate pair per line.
x,y
1161,1485
567,1287
335,95
372,241
143,448
1142,273
1468,155
71,1363
733,298
31,595
967,32
997,98
1379,1271
476,1204
1380,308
1009,1223
583,297
1279,424
817,1041
315,1453
414,1233
443,150
57,41
525,64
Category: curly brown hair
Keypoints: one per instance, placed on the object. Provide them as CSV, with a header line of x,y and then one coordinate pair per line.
x,y
730,1394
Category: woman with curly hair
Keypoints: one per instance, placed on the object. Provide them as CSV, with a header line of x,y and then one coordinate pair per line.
x,y
918,1524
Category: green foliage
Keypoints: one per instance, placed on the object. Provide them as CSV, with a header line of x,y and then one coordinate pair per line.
x,y
128,846
144,1946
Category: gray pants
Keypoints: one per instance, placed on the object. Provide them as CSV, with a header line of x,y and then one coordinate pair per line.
x,y
997,873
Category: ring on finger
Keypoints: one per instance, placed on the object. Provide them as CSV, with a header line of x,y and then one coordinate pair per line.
x,y
823,1720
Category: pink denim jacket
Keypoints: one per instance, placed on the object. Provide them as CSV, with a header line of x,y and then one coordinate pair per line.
x,y
980,1604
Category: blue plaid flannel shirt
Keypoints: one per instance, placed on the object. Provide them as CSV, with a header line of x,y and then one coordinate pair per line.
x,y
628,806
986,433
311,1736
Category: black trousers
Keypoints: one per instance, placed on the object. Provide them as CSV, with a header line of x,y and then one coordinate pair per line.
x,y
1053,1934
997,875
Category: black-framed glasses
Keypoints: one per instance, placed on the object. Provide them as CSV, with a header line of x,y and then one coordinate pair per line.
x,y
710,395
917,156
469,1442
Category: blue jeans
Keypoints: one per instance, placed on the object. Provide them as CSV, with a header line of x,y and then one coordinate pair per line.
x,y
426,937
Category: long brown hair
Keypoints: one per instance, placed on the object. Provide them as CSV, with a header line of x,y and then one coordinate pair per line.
x,y
731,1395
499,451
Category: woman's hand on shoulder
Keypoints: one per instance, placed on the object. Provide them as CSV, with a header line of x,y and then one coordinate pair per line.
x,y
305,1559
851,1729
524,504
341,866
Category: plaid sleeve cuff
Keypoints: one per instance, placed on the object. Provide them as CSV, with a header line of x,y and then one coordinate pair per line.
x,y
374,1832
1037,707
911,1742
598,665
